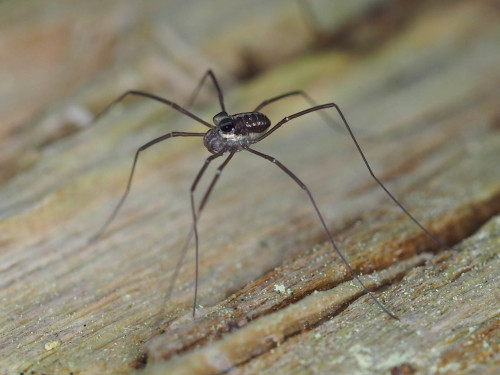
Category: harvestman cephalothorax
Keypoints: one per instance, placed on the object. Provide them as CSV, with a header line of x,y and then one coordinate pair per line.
x,y
238,132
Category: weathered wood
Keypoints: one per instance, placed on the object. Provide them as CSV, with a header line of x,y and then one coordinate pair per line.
x,y
449,323
273,295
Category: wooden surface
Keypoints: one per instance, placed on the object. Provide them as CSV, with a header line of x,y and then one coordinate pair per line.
x,y
422,93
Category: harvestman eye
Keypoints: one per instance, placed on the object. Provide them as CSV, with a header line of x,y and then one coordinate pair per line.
x,y
247,129
227,128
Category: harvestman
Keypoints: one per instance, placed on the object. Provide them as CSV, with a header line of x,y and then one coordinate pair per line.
x,y
234,133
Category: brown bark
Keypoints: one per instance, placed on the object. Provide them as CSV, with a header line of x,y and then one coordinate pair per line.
x,y
274,297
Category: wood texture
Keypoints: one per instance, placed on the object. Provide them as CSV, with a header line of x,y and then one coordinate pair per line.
x,y
273,297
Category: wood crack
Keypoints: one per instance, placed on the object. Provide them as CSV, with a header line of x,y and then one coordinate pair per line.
x,y
215,324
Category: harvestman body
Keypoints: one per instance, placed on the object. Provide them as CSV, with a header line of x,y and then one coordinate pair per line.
x,y
233,133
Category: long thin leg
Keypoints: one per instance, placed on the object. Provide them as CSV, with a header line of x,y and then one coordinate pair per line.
x,y
193,230
325,116
190,235
214,180
333,105
175,106
208,73
304,187
142,148
197,215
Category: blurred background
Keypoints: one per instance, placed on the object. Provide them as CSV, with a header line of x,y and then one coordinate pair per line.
x,y
61,63
418,81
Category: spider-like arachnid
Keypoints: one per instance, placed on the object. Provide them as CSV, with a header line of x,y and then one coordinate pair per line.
x,y
234,133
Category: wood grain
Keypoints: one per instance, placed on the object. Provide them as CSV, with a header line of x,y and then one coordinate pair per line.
x,y
273,295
